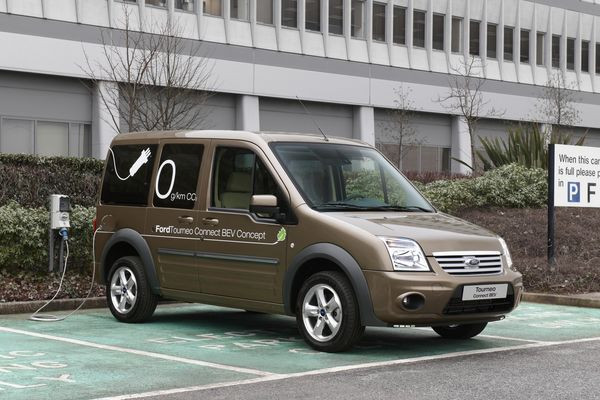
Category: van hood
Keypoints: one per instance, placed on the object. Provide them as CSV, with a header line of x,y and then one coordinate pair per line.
x,y
433,231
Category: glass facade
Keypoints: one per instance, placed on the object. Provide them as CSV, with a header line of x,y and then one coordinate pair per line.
x,y
240,9
555,51
264,11
213,7
437,38
492,36
418,28
357,27
474,37
571,54
289,13
456,35
379,22
508,43
336,17
185,5
45,138
585,56
539,51
524,46
399,25
312,15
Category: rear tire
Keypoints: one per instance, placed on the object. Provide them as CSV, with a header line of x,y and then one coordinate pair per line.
x,y
465,331
128,292
327,312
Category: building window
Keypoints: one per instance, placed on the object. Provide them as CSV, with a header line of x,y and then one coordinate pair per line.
x,y
418,28
399,25
571,54
240,9
585,56
212,7
456,44
185,5
289,13
336,17
539,48
357,27
524,46
555,51
474,38
264,11
492,34
45,138
598,58
508,43
438,32
379,22
312,15
157,3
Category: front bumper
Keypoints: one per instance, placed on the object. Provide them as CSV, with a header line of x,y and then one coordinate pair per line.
x,y
442,294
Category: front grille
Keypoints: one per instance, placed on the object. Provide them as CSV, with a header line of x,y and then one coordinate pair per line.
x,y
470,263
457,305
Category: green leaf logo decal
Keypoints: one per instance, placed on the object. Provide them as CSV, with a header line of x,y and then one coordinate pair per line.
x,y
281,235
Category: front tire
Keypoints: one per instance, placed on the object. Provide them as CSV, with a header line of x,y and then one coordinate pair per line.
x,y
466,331
128,294
327,312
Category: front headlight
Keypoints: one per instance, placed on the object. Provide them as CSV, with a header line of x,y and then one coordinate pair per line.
x,y
406,255
506,253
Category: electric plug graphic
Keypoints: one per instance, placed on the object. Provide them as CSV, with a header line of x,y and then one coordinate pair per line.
x,y
142,159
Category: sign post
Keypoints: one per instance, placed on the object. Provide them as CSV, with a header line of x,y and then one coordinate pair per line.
x,y
573,179
551,218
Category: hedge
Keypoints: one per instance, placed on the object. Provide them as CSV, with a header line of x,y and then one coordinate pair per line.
x,y
29,180
24,238
24,230
511,186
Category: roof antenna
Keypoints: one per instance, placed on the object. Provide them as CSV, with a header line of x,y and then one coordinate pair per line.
x,y
313,120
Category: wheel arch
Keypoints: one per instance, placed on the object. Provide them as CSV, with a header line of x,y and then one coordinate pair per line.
x,y
128,242
328,257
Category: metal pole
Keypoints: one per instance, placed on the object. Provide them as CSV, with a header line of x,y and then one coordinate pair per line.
x,y
551,217
50,250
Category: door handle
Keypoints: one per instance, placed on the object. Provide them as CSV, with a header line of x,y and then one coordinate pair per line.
x,y
185,219
210,221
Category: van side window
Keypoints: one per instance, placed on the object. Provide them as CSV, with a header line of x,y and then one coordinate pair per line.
x,y
177,175
237,175
129,184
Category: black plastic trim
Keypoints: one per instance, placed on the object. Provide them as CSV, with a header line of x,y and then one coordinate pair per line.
x,y
135,240
220,256
347,264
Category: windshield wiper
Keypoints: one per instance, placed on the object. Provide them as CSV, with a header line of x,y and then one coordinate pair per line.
x,y
339,205
401,208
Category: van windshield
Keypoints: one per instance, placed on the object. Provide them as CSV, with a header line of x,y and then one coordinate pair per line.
x,y
336,177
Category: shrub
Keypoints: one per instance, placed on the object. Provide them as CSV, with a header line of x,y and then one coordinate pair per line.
x,y
526,146
24,238
29,180
511,186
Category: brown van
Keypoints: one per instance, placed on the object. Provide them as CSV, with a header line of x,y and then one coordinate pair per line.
x,y
324,229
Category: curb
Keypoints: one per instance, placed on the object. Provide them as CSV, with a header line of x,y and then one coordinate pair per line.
x,y
22,307
563,300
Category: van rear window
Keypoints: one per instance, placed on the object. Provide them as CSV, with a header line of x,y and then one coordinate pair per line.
x,y
129,183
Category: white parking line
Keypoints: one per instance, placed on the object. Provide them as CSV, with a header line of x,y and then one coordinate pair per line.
x,y
323,371
140,352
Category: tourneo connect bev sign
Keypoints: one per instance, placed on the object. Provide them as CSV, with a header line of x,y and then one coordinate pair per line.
x,y
323,229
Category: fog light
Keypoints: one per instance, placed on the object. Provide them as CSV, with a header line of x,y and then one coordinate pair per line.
x,y
412,301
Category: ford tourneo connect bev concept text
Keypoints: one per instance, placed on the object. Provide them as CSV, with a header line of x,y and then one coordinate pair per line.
x,y
323,229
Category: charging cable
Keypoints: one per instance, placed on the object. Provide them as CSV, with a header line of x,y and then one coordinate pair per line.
x,y
53,318
142,159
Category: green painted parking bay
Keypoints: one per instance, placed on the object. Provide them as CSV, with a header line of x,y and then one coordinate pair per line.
x,y
92,355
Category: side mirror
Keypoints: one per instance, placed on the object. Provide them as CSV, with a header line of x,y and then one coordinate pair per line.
x,y
264,204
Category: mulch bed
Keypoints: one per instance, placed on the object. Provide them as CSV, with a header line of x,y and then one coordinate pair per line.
x,y
525,231
577,250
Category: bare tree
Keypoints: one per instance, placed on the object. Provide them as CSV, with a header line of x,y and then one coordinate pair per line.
x,y
398,130
465,98
163,81
557,104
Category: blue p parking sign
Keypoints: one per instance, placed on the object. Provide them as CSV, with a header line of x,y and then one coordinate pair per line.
x,y
573,192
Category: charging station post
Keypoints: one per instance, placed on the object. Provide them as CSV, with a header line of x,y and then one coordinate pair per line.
x,y
60,208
